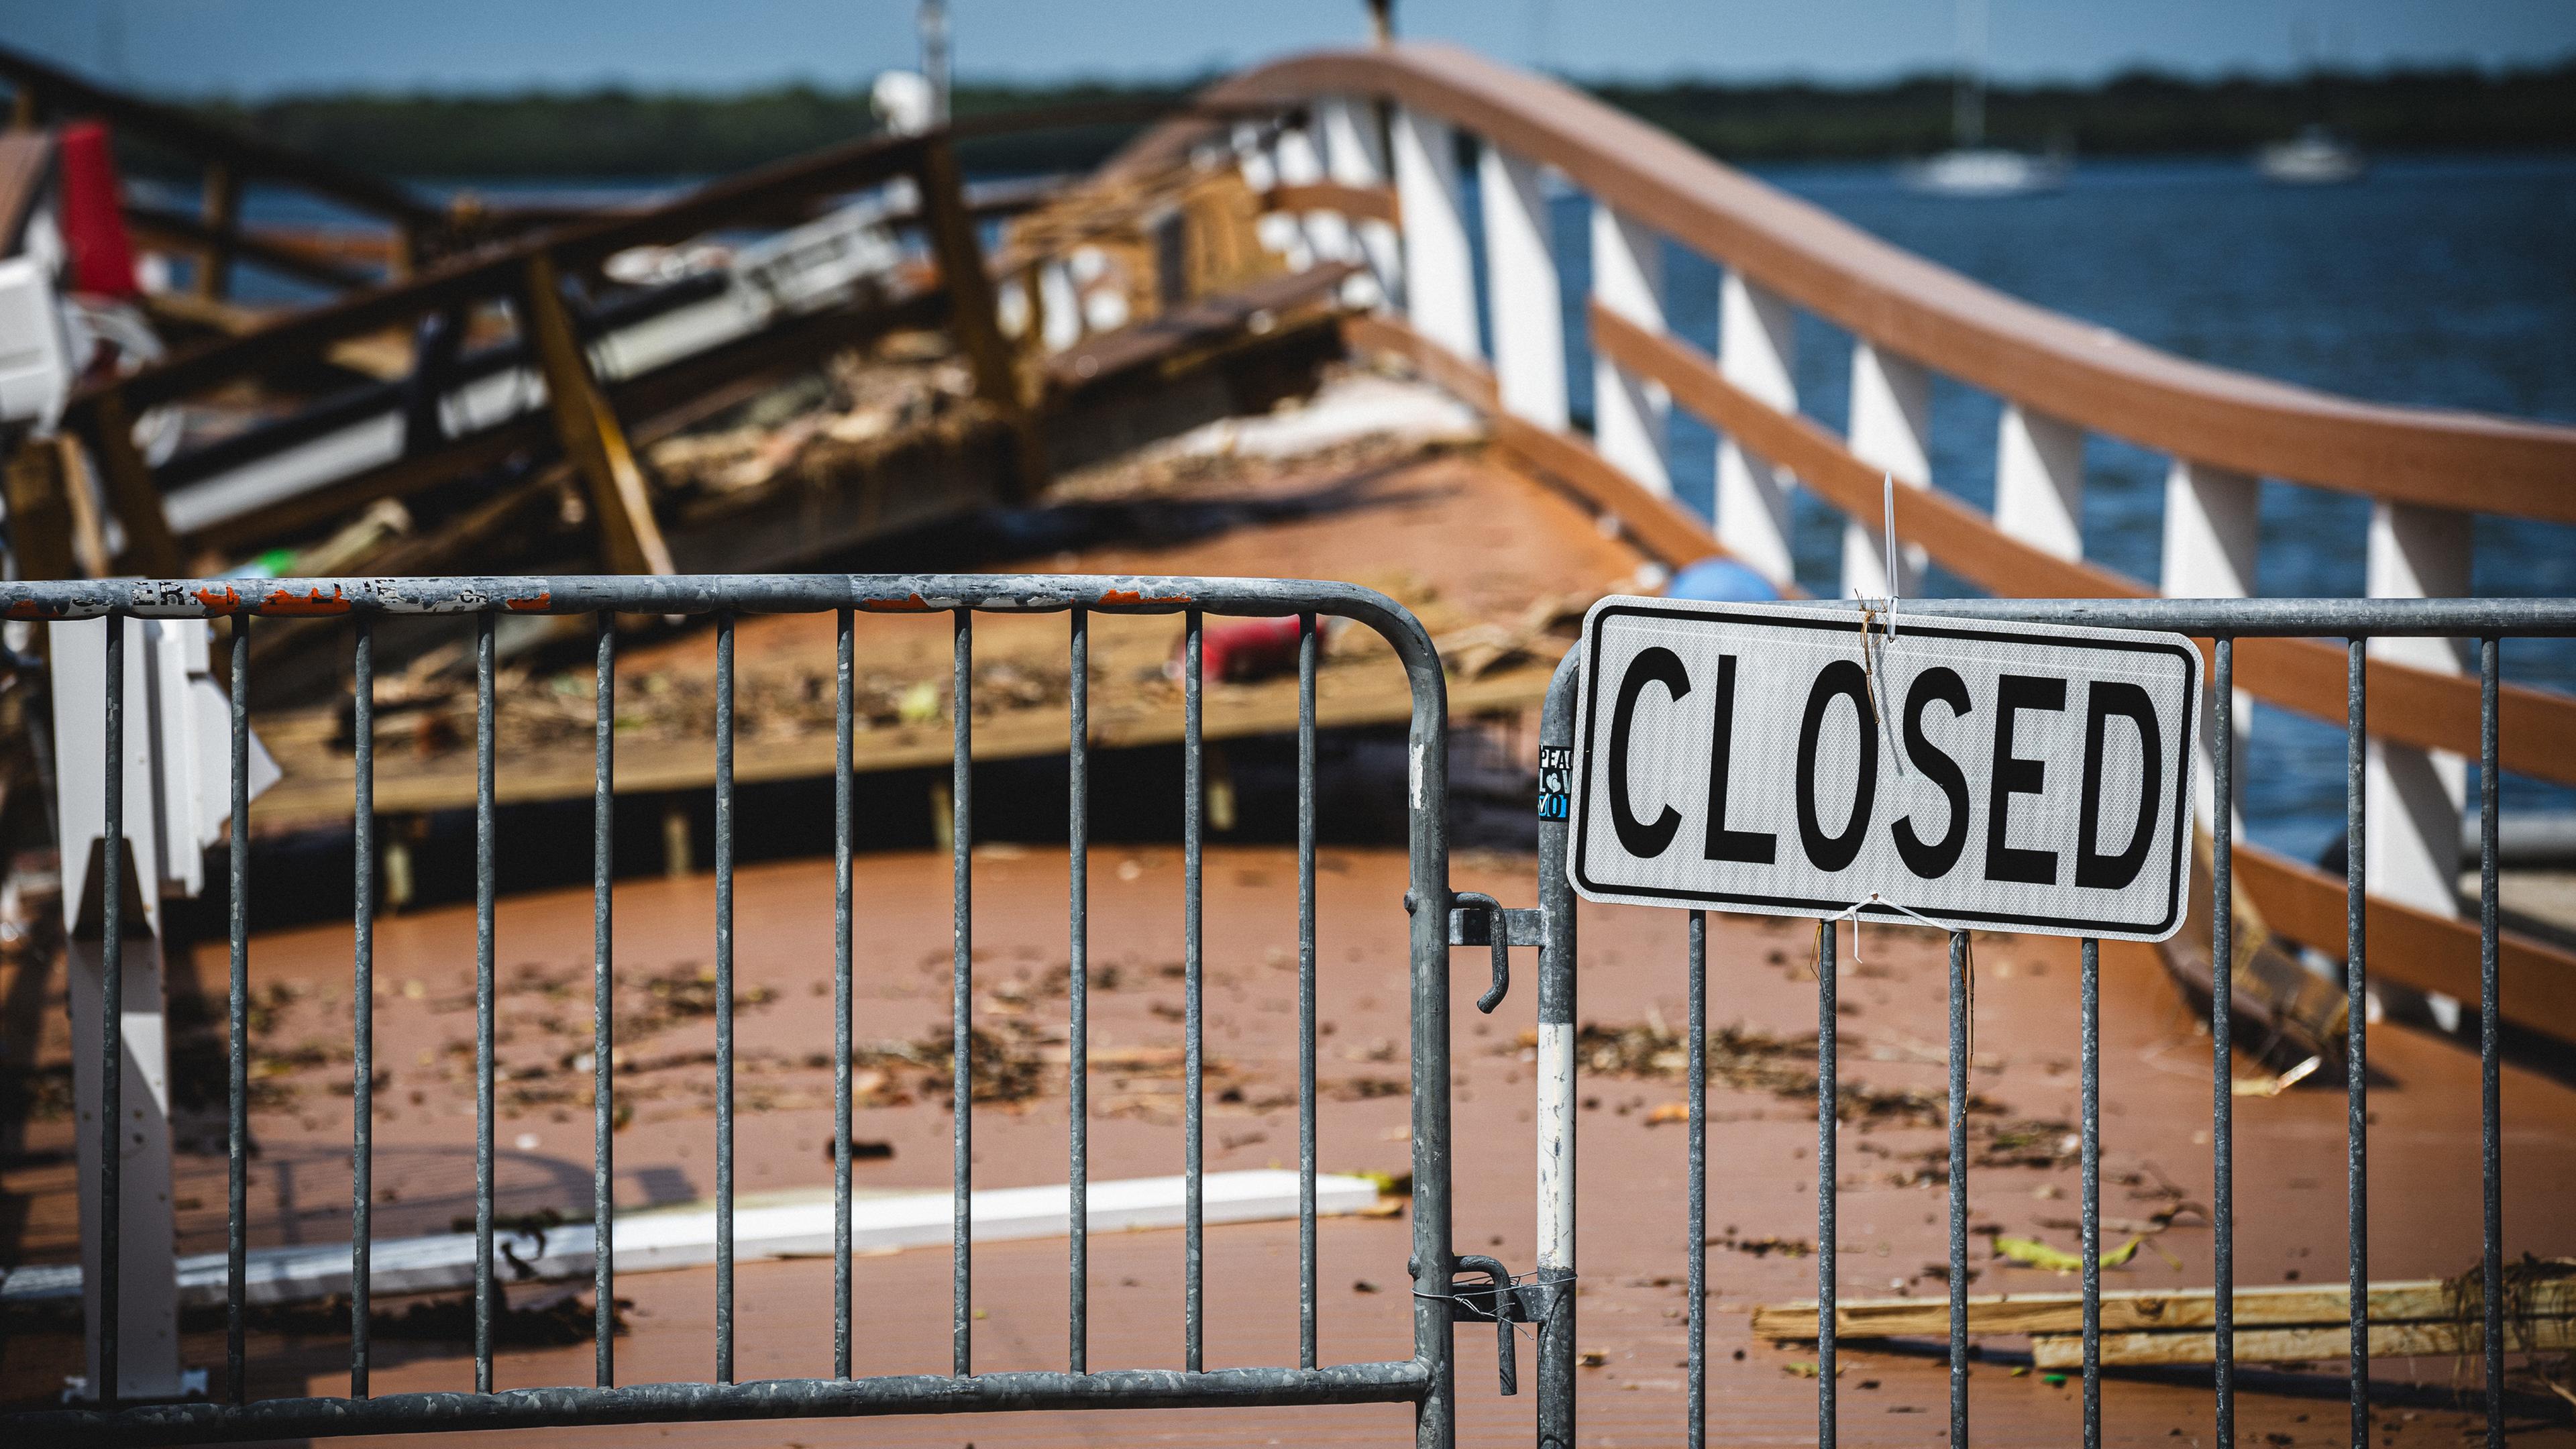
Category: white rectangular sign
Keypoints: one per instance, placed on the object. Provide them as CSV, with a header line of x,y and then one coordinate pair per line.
x,y
2006,777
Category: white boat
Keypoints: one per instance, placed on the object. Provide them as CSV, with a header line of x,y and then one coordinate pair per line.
x,y
1987,171
1971,167
2315,157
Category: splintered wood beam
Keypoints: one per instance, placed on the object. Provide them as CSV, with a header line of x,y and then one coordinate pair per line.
x,y
2322,1306
40,518
151,549
588,428
973,316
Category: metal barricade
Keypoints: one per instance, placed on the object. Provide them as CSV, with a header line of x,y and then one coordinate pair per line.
x,y
2223,622
1424,1380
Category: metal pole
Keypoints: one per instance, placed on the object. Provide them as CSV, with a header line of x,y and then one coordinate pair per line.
x,y
1556,1066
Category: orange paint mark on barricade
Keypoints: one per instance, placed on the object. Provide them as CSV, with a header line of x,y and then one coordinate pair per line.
x,y
911,604
281,601
226,597
532,604
1132,596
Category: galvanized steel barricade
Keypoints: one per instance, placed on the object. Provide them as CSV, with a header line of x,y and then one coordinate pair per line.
x,y
1424,1380
2223,622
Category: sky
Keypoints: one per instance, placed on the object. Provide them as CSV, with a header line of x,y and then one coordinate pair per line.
x,y
254,48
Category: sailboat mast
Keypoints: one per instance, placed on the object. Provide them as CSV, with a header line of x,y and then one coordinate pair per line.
x,y
1968,100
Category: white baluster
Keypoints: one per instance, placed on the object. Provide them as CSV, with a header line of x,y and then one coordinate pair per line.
x,y
2039,481
1301,163
1439,275
1279,231
1355,155
2415,796
1523,296
2213,526
1891,430
1630,415
1061,305
1757,345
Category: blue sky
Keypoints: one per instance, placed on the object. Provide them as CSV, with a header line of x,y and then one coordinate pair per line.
x,y
261,47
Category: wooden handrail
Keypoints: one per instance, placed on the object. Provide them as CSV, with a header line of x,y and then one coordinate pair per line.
x,y
60,90
2047,362
2411,706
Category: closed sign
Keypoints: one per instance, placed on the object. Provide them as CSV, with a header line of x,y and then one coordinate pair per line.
x,y
2007,777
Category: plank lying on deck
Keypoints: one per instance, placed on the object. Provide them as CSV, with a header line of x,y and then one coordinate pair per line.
x,y
2328,1343
2287,1305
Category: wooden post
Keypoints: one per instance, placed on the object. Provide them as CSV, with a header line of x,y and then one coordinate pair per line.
x,y
2415,797
588,428
1522,293
150,547
973,318
1631,416
1439,278
1756,350
40,519
1891,430
223,220
24,112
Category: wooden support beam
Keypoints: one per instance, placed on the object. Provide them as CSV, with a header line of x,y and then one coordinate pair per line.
x,y
223,231
40,517
151,548
973,317
588,428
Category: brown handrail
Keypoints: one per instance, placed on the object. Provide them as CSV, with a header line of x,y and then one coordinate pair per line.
x,y
2409,705
59,90
2050,363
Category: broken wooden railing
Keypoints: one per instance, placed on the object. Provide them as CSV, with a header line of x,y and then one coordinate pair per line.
x,y
230,161
525,276
1369,164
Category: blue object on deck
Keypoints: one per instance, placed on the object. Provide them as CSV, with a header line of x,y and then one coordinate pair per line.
x,y
1721,581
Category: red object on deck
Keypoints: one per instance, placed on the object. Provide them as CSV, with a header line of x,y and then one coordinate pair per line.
x,y
1248,649
94,213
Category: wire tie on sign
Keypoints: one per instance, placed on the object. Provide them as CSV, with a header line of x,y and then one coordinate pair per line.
x,y
1881,613
1968,957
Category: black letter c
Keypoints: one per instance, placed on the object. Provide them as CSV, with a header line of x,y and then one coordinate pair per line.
x,y
1653,665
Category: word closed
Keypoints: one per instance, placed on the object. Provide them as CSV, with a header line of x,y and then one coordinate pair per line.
x,y
1774,759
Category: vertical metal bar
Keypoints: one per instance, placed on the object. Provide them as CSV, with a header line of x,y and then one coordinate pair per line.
x,y
484,1003
603,1009
362,1150
2090,1090
2356,1047
2222,1048
111,1015
961,973
1828,1109
2490,1136
237,1010
1695,1428
724,997
1306,641
1078,934
844,725
1958,1110
1192,1108
1556,1066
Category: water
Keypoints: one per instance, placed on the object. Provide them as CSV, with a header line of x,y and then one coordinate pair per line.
x,y
2438,281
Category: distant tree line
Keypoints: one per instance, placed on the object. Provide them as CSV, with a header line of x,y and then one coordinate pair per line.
x,y
625,133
